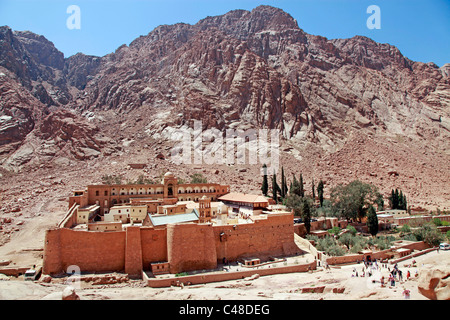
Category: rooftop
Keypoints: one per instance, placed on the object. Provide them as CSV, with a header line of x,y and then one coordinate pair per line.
x,y
243,197
160,220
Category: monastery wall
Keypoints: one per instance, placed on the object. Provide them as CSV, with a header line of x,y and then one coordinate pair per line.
x,y
185,246
154,246
190,247
273,236
90,251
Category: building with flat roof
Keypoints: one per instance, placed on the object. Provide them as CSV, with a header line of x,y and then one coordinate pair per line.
x,y
163,220
177,241
107,196
248,204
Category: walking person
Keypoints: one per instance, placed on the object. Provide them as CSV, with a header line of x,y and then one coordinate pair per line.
x,y
392,280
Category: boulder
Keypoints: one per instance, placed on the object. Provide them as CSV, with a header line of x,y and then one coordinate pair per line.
x,y
46,279
434,283
70,294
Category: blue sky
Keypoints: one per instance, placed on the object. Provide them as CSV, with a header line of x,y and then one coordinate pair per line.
x,y
419,28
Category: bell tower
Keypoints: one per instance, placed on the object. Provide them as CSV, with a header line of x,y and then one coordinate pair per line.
x,y
204,209
170,185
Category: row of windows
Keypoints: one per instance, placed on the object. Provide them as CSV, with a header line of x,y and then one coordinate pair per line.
x,y
124,192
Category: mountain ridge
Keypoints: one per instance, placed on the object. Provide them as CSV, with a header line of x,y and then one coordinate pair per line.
x,y
240,70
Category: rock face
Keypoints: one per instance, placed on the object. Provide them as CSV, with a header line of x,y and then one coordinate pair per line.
x,y
241,70
435,283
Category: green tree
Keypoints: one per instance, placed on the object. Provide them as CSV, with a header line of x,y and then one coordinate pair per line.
x,y
265,183
294,202
379,201
352,200
400,200
346,239
275,188
428,233
283,184
302,191
396,199
295,187
372,221
306,214
391,199
301,207
313,192
320,192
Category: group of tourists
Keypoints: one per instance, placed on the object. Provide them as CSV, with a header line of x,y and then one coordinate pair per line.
x,y
395,274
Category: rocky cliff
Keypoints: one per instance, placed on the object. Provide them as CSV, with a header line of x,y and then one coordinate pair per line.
x,y
330,99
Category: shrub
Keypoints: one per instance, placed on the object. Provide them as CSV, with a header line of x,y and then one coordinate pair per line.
x,y
334,230
405,228
384,243
429,233
346,239
356,248
335,250
352,229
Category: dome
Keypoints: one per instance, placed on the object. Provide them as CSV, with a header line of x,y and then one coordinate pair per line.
x,y
168,175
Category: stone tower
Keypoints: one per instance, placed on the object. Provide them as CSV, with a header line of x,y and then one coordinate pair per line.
x,y
170,185
204,209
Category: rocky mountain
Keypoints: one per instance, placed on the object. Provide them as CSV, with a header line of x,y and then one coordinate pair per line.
x,y
330,98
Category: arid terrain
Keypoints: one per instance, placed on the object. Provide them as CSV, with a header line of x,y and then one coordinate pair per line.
x,y
276,287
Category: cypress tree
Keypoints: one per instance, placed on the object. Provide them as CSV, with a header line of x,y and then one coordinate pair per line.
x,y
295,189
405,203
283,186
391,199
313,191
320,192
302,191
275,188
396,198
265,184
400,200
372,221
306,214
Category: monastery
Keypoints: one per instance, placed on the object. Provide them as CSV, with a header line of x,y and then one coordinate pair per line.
x,y
166,228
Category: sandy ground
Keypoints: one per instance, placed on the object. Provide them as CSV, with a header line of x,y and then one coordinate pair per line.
x,y
275,287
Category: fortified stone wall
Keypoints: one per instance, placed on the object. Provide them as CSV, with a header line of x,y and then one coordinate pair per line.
x,y
273,236
91,251
185,246
190,247
154,246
